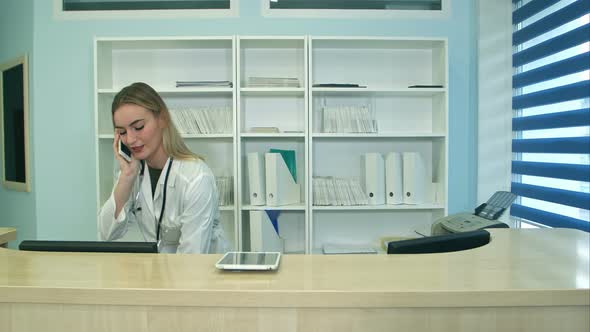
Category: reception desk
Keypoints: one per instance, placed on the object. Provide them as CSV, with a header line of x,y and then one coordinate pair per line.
x,y
523,280
7,235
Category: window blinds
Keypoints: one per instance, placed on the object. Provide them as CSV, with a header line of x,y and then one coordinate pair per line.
x,y
551,121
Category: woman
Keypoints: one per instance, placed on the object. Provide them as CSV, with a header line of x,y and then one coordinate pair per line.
x,y
168,190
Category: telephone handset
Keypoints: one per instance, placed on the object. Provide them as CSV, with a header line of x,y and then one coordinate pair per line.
x,y
124,151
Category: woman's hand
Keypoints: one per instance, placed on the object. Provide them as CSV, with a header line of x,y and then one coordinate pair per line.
x,y
129,170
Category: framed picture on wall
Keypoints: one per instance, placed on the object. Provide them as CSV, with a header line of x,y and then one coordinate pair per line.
x,y
14,124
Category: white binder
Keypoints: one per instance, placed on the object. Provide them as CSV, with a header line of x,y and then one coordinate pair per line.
x,y
373,177
414,179
281,188
393,178
256,179
263,236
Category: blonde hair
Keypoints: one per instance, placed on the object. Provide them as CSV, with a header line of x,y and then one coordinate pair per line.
x,y
145,96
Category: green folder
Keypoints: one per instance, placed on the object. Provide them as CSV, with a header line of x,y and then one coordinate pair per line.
x,y
290,160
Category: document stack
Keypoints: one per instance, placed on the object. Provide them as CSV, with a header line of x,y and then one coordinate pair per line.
x,y
225,187
348,119
373,177
338,85
275,82
281,178
264,130
337,191
399,179
210,84
414,178
264,235
272,178
207,120
394,178
256,178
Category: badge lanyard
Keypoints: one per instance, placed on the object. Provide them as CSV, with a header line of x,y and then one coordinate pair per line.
x,y
163,201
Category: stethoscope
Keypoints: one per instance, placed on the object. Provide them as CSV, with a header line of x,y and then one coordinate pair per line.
x,y
159,225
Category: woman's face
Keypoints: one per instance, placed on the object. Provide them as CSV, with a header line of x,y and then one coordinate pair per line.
x,y
140,130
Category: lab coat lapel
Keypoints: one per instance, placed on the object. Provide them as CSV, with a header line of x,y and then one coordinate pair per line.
x,y
146,191
160,187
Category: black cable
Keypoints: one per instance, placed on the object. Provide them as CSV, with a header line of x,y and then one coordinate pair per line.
x,y
163,201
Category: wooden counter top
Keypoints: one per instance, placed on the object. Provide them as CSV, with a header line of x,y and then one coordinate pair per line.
x,y
520,267
7,234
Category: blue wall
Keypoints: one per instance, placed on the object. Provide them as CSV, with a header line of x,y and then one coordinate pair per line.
x,y
63,125
18,209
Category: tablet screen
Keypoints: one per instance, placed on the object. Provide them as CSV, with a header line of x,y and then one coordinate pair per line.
x,y
249,260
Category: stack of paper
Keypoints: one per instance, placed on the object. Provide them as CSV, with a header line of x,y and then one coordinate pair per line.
x,y
284,82
207,120
281,178
348,119
256,179
290,161
414,178
272,178
337,191
373,177
227,84
225,187
394,178
338,85
264,130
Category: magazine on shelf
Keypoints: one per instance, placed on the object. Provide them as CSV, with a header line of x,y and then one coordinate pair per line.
x,y
226,84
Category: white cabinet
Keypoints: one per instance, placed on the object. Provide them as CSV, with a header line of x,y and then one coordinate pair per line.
x,y
275,104
272,84
402,83
161,62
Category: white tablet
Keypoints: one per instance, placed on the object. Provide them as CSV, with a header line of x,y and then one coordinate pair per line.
x,y
237,260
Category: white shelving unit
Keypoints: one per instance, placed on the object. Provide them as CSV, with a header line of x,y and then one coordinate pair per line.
x,y
274,106
409,120
161,62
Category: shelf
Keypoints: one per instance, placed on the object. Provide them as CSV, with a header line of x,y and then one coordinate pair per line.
x,y
380,135
180,91
283,207
196,136
369,42
207,135
394,91
262,39
410,119
273,90
380,207
272,135
166,42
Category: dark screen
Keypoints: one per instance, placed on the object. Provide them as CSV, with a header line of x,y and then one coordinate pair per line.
x,y
14,124
250,258
89,246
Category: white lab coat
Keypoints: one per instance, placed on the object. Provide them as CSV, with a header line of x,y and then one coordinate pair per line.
x,y
191,217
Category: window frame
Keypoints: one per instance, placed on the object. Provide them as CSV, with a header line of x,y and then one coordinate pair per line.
x,y
357,13
60,13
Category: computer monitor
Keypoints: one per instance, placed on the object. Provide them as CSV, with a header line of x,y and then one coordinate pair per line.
x,y
89,246
440,243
